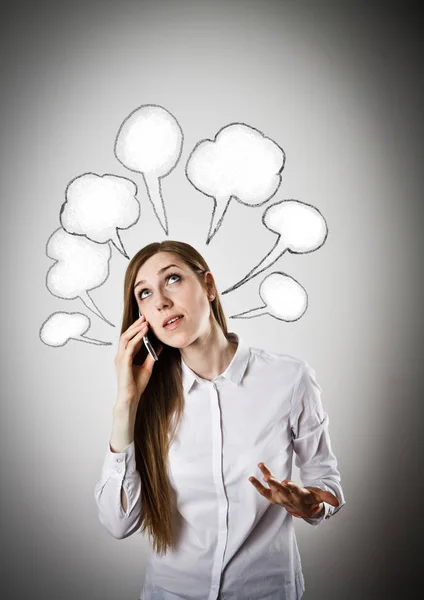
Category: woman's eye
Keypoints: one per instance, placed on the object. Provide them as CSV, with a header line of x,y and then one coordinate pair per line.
x,y
169,277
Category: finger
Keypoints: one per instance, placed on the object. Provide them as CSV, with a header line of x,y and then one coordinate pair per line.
x,y
134,345
129,333
308,494
275,485
136,326
330,498
286,483
265,469
261,489
136,323
283,483
321,495
139,335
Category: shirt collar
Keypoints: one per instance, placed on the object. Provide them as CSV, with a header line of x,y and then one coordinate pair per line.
x,y
234,372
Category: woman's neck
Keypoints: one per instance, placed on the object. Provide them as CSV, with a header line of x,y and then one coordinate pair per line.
x,y
210,354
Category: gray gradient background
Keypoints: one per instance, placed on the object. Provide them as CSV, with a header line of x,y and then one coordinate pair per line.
x,y
338,86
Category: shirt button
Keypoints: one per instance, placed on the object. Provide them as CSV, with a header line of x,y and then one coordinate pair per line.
x,y
119,460
119,470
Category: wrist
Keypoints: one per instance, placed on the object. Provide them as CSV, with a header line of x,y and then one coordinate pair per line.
x,y
315,511
320,511
123,410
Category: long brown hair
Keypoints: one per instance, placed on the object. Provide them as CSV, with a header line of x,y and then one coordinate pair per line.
x,y
162,402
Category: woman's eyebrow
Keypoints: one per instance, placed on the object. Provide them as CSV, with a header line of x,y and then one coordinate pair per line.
x,y
158,273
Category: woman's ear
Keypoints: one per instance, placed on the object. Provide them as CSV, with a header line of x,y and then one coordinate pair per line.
x,y
210,284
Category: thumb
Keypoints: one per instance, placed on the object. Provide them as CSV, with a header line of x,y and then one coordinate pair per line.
x,y
321,495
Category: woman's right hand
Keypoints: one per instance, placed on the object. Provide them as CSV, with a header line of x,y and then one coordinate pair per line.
x,y
132,378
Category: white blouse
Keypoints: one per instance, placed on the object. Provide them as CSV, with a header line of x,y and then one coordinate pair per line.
x,y
232,542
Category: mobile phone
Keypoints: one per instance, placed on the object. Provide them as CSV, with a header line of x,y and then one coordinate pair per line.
x,y
148,345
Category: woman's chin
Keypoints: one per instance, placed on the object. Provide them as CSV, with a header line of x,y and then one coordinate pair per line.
x,y
175,340
180,340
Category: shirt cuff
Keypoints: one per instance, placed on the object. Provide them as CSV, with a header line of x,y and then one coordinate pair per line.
x,y
318,516
120,464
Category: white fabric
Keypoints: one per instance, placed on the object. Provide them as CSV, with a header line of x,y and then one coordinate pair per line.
x,y
232,542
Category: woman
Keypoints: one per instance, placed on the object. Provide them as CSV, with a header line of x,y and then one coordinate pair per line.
x,y
194,431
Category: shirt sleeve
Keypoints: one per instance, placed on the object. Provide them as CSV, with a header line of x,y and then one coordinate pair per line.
x,y
311,442
119,470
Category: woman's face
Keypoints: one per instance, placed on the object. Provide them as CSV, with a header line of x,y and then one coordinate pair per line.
x,y
163,291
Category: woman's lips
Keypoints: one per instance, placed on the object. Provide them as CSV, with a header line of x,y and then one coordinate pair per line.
x,y
175,324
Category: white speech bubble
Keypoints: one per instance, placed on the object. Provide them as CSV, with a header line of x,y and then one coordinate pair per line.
x,y
301,229
97,206
61,327
149,141
285,299
240,163
80,265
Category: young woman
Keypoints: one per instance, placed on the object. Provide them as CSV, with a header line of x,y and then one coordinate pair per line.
x,y
194,432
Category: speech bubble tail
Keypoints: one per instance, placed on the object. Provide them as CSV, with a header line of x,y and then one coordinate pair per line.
x,y
254,312
116,241
219,209
266,262
85,298
155,196
235,286
87,340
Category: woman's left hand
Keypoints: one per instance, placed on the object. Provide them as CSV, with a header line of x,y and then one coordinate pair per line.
x,y
290,495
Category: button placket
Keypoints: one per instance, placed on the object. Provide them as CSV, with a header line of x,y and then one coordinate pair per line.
x,y
219,484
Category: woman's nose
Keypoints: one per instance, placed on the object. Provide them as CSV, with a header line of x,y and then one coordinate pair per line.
x,y
162,301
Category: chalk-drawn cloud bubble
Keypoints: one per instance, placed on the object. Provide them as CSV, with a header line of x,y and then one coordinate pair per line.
x,y
284,298
96,206
301,229
240,163
61,327
149,141
80,266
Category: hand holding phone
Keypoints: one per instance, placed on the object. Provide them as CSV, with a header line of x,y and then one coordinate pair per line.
x,y
148,345
133,376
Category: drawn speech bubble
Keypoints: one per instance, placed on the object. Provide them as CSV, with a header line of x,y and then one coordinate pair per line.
x,y
80,265
301,229
61,327
239,163
149,141
285,299
96,206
